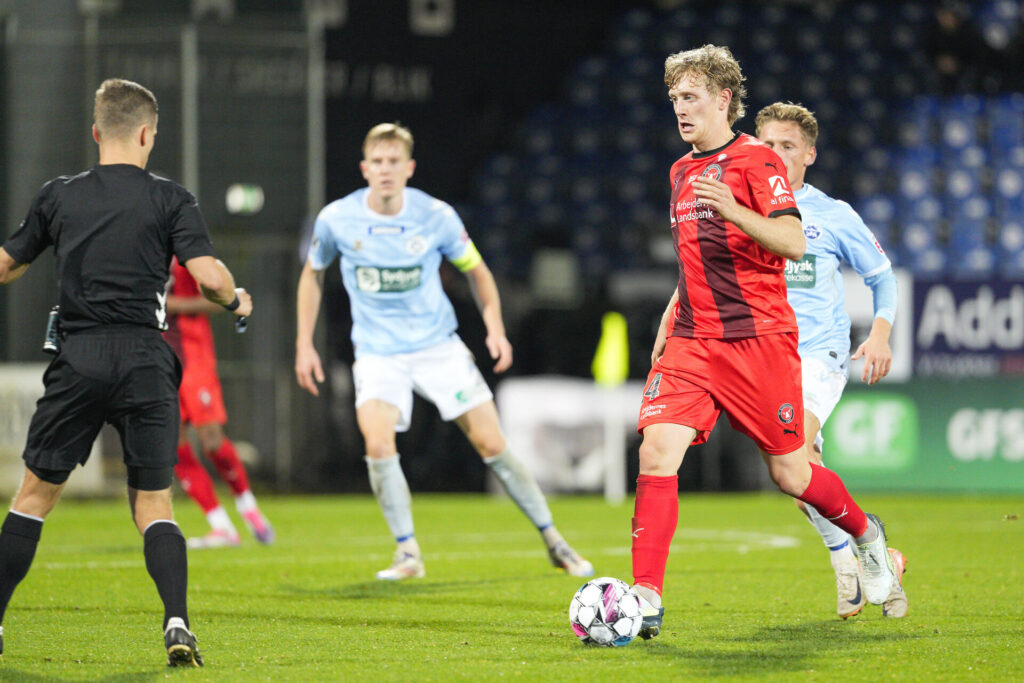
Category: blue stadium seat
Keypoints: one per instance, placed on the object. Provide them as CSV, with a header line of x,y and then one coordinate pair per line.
x,y
924,211
876,159
1006,124
958,130
772,16
586,142
764,42
961,184
926,263
997,19
974,157
1010,246
878,212
493,190
1009,193
966,234
585,190
915,183
823,63
919,236
867,184
976,263
813,87
539,192
975,208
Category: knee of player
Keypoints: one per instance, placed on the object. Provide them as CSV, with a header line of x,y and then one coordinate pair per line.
x,y
211,436
378,448
790,482
653,459
490,446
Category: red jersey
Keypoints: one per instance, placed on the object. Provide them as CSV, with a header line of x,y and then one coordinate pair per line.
x,y
730,287
190,336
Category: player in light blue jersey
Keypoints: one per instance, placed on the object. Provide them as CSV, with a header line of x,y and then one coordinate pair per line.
x,y
391,239
835,234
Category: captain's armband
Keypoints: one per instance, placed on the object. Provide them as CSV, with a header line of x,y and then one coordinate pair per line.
x,y
469,260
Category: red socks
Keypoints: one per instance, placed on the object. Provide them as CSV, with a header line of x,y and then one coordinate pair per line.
x,y
829,497
655,516
230,468
194,479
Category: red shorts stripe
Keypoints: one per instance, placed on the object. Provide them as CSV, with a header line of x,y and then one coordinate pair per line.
x,y
756,381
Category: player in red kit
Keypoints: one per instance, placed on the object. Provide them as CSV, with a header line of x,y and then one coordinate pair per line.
x,y
202,406
728,339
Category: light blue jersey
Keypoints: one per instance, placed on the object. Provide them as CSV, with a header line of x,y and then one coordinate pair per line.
x,y
835,233
389,265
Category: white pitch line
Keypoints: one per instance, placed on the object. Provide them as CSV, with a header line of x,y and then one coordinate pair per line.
x,y
686,541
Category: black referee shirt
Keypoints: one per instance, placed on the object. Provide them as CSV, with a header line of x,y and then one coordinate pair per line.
x,y
114,229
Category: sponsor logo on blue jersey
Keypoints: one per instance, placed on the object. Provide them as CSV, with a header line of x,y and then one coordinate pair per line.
x,y
801,274
812,232
373,279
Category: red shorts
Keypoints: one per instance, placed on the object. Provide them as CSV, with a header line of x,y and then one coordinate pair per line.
x,y
756,381
200,396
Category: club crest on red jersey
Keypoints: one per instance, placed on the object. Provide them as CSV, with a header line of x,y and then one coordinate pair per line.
x,y
786,413
714,171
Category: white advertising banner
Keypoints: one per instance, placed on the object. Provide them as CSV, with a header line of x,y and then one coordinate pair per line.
x,y
21,385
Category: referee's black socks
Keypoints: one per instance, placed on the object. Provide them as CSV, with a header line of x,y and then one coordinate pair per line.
x,y
19,537
167,563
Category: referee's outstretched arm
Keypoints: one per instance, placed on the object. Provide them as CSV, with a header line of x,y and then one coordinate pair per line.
x,y
217,284
10,270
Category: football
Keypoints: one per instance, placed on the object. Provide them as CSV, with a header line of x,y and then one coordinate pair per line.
x,y
605,611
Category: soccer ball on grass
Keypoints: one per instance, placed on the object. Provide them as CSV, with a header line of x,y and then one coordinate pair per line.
x,y
605,611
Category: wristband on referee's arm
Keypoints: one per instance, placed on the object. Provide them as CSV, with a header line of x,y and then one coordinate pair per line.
x,y
235,303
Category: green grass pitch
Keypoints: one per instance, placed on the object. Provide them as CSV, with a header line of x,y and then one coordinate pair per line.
x,y
749,595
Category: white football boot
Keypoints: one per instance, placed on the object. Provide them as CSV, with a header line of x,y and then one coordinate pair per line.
x,y
849,597
404,566
876,566
896,605
564,557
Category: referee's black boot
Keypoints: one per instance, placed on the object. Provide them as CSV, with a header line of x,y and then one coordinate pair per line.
x,y
181,644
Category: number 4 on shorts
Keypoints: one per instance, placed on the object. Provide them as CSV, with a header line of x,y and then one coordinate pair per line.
x,y
651,392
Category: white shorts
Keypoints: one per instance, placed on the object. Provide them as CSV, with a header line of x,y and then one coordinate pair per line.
x,y
823,386
444,374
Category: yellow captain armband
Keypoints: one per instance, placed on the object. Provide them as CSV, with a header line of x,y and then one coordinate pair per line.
x,y
469,260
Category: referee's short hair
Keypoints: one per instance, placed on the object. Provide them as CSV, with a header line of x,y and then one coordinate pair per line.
x,y
121,107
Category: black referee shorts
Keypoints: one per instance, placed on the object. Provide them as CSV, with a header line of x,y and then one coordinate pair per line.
x,y
124,375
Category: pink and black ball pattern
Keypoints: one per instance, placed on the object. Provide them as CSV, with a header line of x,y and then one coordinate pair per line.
x,y
605,611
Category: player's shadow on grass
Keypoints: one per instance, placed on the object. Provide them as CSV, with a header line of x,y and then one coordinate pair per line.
x,y
779,648
16,676
375,590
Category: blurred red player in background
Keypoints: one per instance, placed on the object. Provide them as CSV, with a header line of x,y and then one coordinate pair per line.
x,y
202,406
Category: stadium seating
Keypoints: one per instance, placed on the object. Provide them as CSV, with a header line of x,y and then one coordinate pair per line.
x,y
936,178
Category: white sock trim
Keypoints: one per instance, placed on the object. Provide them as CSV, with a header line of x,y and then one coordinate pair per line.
x,y
157,521
175,622
245,501
26,516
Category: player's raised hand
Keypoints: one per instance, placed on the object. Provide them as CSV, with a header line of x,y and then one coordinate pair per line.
x,y
244,303
501,351
877,359
718,196
308,369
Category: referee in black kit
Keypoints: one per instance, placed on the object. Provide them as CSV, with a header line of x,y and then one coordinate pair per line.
x,y
114,229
